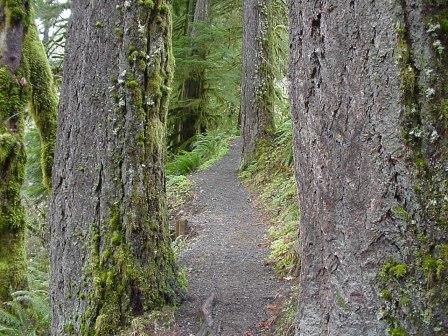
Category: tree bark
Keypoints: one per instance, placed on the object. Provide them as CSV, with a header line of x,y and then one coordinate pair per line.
x,y
257,122
110,249
368,89
25,80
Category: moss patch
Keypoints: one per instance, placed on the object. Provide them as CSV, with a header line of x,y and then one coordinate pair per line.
x,y
44,100
28,85
414,290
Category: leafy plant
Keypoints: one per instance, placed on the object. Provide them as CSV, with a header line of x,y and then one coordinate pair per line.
x,y
27,314
286,323
207,149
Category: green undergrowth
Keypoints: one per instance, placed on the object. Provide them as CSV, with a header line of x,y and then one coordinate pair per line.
x,y
207,149
286,322
158,323
178,189
271,177
28,313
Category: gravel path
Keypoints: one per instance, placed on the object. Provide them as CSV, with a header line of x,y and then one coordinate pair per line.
x,y
226,257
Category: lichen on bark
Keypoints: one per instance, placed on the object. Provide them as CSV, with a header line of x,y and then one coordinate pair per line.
x,y
415,301
109,198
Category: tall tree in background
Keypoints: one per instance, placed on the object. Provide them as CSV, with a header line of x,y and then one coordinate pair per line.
x,y
369,93
189,122
25,80
110,251
193,88
257,121
208,61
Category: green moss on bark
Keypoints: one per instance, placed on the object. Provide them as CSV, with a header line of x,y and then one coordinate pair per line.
x,y
131,261
417,294
12,263
16,11
123,287
29,84
13,99
12,220
44,100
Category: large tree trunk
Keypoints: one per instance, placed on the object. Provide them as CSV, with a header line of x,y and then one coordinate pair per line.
x,y
369,89
110,249
25,79
257,121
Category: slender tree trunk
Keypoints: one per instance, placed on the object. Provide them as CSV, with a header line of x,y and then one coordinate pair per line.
x,y
44,100
193,91
110,249
369,92
257,121
25,79
13,98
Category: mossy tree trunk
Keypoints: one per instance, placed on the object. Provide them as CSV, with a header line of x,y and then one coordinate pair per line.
x,y
369,100
110,248
257,104
25,80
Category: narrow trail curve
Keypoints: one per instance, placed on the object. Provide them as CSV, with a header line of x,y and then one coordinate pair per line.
x,y
227,255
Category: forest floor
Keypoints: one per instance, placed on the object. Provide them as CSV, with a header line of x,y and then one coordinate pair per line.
x,y
225,257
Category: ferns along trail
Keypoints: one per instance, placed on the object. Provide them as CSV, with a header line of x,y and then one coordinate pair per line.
x,y
223,167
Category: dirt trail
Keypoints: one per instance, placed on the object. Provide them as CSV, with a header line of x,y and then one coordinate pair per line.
x,y
227,255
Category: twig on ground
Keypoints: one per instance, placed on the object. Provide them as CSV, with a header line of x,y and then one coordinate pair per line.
x,y
207,315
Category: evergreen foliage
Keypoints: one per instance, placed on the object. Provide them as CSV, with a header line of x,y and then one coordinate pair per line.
x,y
28,312
52,18
207,149
221,40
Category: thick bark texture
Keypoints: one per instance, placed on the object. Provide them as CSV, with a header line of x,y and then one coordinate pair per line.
x,y
25,79
257,121
368,88
110,249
